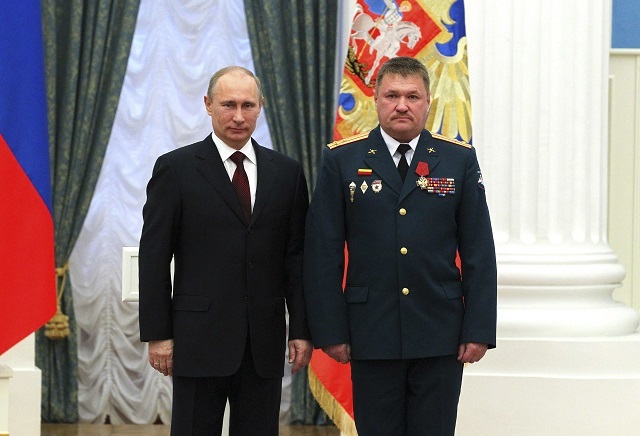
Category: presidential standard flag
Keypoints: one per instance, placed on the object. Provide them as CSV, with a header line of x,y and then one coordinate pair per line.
x,y
432,31
27,266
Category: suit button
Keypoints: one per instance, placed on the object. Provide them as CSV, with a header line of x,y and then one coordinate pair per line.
x,y
405,291
250,264
402,211
403,250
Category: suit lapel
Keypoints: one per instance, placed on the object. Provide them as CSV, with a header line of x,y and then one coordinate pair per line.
x,y
425,152
212,169
267,174
380,161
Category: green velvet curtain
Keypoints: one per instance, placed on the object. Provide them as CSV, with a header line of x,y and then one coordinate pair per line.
x,y
87,46
294,47
293,44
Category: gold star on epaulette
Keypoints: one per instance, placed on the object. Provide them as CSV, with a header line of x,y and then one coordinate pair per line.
x,y
348,140
451,140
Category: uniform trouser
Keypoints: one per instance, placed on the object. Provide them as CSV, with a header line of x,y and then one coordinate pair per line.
x,y
413,397
254,403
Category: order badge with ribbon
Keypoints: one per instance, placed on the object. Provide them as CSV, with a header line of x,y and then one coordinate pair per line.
x,y
423,171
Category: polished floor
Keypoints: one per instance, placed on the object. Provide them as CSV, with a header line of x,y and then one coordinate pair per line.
x,y
163,430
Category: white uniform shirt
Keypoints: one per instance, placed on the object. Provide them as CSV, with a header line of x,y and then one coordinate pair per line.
x,y
393,145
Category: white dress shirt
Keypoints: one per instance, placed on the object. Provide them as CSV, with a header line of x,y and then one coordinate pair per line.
x,y
393,145
250,163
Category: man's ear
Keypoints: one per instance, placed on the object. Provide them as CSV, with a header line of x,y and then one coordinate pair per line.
x,y
260,106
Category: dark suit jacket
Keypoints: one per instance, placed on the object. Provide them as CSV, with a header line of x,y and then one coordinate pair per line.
x,y
373,314
231,277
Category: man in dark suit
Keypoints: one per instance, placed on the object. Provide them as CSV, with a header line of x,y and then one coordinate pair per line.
x,y
231,214
405,201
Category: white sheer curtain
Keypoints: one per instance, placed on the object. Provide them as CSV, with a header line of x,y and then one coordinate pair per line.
x,y
176,48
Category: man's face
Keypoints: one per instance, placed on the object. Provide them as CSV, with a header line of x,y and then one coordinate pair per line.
x,y
234,108
403,106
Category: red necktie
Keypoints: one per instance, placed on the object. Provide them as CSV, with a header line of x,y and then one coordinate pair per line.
x,y
240,183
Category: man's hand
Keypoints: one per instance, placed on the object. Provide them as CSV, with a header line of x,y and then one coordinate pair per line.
x,y
471,352
161,356
341,353
299,354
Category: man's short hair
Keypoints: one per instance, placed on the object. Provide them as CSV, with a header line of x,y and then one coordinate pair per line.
x,y
234,68
404,66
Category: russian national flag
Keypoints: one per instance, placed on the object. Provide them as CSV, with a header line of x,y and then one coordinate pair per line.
x,y
27,265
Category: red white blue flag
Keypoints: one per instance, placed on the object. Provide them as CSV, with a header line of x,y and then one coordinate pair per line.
x,y
27,265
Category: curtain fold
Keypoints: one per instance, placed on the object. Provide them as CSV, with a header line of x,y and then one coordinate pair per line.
x,y
294,46
86,51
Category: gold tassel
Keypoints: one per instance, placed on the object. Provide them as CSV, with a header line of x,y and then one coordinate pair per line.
x,y
333,409
58,326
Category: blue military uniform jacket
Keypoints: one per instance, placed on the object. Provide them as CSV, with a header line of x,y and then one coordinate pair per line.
x,y
404,297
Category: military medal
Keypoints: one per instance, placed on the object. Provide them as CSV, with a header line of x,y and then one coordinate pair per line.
x,y
352,190
364,186
364,171
441,186
376,186
423,171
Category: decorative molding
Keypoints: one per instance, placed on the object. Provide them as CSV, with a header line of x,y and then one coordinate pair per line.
x,y
625,51
130,274
6,373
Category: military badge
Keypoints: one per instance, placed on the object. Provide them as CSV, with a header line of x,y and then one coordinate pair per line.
x,y
352,190
423,171
439,185
376,186
480,181
364,187
364,171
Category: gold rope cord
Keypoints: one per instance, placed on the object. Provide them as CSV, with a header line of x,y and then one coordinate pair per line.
x,y
58,326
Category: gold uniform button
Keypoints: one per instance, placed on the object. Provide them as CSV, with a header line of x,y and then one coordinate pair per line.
x,y
405,291
403,211
403,250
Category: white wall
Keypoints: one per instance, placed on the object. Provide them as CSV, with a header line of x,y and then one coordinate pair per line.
x,y
624,169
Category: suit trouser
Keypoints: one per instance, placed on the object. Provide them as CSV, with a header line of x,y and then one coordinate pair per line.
x,y
414,397
254,403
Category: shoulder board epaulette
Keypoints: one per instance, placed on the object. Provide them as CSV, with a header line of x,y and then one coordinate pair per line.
x,y
451,140
348,140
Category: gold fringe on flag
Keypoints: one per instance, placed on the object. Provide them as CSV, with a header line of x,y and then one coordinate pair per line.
x,y
333,409
58,326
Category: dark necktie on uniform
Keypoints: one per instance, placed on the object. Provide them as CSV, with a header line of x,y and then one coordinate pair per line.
x,y
240,183
403,165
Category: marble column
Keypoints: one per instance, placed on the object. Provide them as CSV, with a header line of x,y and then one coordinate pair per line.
x,y
539,72
539,86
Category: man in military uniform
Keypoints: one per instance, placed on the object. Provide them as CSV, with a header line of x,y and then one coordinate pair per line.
x,y
405,202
